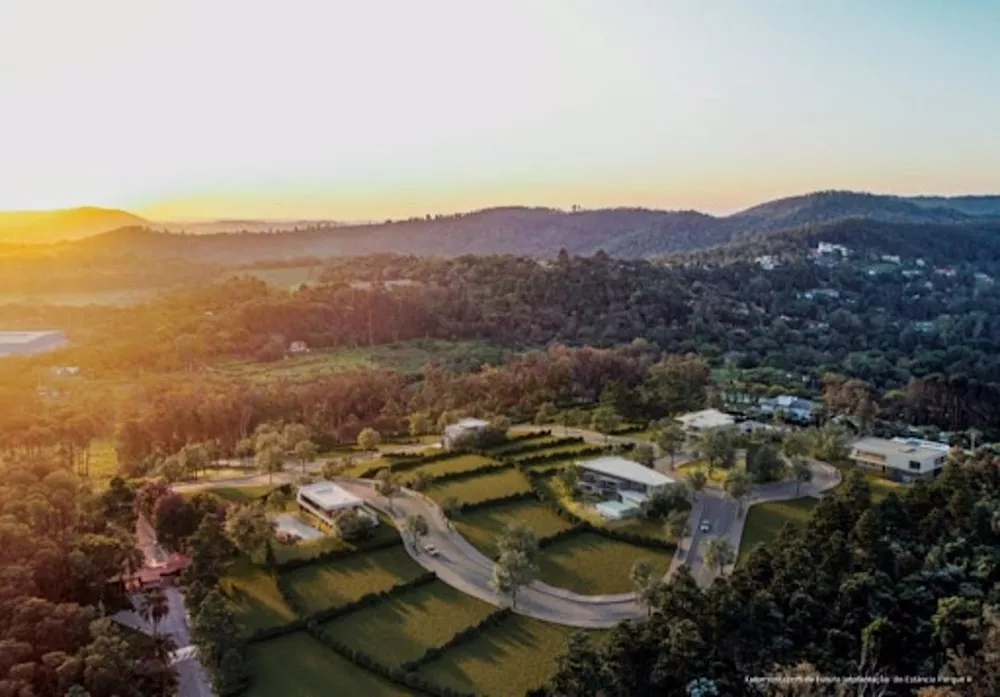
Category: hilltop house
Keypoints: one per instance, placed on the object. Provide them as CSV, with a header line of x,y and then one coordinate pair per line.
x,y
325,499
900,459
298,347
463,431
705,420
794,408
626,485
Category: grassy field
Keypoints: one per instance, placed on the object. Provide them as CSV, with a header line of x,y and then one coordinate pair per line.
x,y
297,665
481,527
320,586
765,520
453,465
284,277
595,565
481,488
254,596
242,494
504,447
404,356
504,661
402,628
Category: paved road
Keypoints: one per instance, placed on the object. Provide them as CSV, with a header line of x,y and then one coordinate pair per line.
x,y
727,519
465,568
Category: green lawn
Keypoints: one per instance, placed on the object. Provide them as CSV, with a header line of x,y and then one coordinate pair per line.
x,y
254,596
594,565
297,665
312,548
482,526
765,520
320,586
504,661
402,628
483,487
453,465
242,494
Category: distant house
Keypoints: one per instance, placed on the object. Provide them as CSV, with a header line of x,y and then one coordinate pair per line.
x,y
705,420
64,370
901,459
463,431
625,485
794,408
983,278
891,258
767,262
325,499
949,271
830,249
819,293
298,347
751,426
924,326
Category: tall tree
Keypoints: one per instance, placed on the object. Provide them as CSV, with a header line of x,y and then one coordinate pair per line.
x,y
387,485
719,553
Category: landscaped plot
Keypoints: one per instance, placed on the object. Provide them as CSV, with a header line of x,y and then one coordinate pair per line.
x,y
254,596
765,520
452,465
297,665
243,494
571,451
481,527
522,442
331,584
504,661
312,548
483,487
404,627
594,565
716,476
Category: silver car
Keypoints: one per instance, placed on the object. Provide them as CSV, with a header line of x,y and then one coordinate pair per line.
x,y
705,526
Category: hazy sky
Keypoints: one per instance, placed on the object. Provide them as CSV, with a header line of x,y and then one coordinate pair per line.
x,y
378,108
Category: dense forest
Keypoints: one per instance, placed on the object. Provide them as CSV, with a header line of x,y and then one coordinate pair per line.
x,y
909,587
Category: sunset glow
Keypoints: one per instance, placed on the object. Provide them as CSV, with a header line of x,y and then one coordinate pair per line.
x,y
370,110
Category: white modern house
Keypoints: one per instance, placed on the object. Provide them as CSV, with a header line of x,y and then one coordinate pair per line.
x,y
462,430
624,484
705,420
794,408
900,459
325,499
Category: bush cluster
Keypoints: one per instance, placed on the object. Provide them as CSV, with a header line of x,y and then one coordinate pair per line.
x,y
275,632
533,447
554,457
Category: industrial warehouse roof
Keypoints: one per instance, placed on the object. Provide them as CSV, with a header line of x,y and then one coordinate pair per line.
x,y
707,418
330,496
626,469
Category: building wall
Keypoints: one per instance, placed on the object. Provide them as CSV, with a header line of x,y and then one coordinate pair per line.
x,y
896,466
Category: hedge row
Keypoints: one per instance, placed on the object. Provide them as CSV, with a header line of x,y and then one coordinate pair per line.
x,y
275,632
298,563
577,529
554,457
531,435
533,447
545,497
488,503
370,599
491,620
634,538
397,675
476,471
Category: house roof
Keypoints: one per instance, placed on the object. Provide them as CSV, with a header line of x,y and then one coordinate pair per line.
x,y
787,401
471,423
615,466
330,496
707,418
884,446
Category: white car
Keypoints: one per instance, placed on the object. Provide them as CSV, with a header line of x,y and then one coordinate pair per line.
x,y
705,526
431,550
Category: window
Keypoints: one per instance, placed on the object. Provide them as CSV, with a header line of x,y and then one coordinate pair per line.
x,y
915,465
940,460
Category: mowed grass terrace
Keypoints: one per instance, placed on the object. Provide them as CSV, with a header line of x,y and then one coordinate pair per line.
x,y
481,527
402,628
504,661
298,665
765,521
451,465
483,487
253,594
324,585
591,564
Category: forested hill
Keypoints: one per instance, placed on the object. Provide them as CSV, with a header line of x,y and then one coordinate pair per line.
x,y
34,227
627,233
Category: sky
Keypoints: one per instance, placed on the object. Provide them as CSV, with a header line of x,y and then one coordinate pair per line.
x,y
186,109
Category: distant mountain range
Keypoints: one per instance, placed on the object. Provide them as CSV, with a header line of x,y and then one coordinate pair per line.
x,y
35,227
623,232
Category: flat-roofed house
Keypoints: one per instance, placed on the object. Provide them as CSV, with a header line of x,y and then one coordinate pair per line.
x,y
795,408
325,500
705,420
901,459
462,431
626,485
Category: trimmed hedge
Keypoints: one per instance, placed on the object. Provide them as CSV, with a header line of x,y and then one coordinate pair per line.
x,y
371,599
397,675
275,632
554,457
292,564
482,469
533,447
531,435
577,529
633,538
509,498
467,634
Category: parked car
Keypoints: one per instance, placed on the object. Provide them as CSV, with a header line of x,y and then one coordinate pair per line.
x,y
431,550
705,526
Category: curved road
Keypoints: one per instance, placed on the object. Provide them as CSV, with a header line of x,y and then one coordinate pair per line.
x,y
462,566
